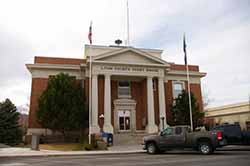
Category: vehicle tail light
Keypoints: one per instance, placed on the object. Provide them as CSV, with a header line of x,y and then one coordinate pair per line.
x,y
219,135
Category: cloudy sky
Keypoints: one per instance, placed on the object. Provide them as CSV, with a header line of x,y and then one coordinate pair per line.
x,y
217,32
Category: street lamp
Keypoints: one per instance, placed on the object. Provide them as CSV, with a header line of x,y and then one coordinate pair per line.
x,y
101,117
162,120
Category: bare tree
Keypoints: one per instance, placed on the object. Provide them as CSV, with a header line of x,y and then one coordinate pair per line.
x,y
205,96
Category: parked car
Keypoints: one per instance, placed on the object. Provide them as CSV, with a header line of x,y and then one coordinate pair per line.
x,y
233,134
177,137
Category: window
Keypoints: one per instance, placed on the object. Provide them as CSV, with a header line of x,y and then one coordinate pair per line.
x,y
167,131
178,87
124,89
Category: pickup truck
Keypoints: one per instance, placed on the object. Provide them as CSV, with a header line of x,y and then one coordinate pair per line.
x,y
233,134
181,137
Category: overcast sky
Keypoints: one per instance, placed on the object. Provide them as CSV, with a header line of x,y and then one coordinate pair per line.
x,y
217,36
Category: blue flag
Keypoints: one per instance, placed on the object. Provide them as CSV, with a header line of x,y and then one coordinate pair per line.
x,y
184,49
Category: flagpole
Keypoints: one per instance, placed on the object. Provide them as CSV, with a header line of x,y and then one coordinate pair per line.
x,y
90,82
188,80
128,42
90,94
189,99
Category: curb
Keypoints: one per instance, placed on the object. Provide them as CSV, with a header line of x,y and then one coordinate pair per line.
x,y
72,154
234,149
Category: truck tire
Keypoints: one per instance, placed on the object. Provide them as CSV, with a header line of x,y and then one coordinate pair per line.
x,y
151,148
205,148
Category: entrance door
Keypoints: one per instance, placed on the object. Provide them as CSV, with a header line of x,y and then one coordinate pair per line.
x,y
124,120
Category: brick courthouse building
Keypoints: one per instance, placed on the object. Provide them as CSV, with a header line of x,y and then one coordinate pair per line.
x,y
132,88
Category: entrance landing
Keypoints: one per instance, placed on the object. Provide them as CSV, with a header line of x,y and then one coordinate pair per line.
x,y
128,139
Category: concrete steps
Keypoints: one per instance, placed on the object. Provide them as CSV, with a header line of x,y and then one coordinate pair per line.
x,y
128,139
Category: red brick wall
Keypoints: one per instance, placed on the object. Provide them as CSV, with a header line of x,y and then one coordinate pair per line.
x,y
183,67
209,122
196,90
169,99
114,95
156,102
52,60
138,94
144,100
38,86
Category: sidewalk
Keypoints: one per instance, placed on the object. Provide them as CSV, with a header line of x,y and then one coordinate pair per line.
x,y
234,148
27,152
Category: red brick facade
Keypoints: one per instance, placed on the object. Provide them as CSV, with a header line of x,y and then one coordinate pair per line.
x,y
65,61
38,86
183,67
138,90
138,93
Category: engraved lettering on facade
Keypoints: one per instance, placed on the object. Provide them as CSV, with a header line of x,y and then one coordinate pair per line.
x,y
129,69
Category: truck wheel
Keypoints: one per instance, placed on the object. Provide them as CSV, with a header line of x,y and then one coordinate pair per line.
x,y
151,148
205,148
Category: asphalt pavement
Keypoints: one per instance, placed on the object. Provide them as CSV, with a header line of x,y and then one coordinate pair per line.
x,y
175,158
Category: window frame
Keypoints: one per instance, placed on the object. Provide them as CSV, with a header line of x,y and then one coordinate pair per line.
x,y
173,88
120,87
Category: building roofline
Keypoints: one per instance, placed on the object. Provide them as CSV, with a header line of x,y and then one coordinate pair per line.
x,y
52,57
172,63
227,106
115,47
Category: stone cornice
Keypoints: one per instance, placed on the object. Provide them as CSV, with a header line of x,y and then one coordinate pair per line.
x,y
239,108
184,73
133,64
207,115
115,48
39,70
52,66
237,105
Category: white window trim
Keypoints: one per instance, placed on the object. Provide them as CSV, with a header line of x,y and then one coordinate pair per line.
x,y
177,82
124,96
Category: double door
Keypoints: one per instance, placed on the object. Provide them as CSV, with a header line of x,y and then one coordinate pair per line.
x,y
124,120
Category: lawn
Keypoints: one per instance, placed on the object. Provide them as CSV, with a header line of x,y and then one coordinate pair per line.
x,y
62,147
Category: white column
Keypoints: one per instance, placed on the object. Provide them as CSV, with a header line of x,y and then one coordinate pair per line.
x,y
95,127
107,106
162,103
151,127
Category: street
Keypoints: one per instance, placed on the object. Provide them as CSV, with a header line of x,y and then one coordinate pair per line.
x,y
176,158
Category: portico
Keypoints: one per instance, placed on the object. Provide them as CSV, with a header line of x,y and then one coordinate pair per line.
x,y
124,106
